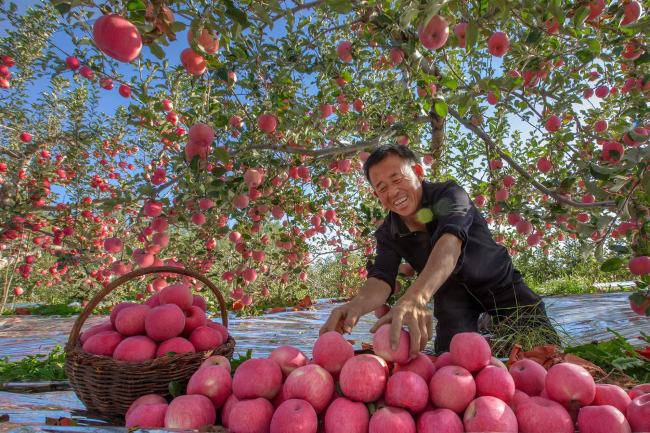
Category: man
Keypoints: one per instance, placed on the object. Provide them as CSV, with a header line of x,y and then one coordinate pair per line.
x,y
435,227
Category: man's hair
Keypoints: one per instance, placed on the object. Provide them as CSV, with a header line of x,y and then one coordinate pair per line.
x,y
383,151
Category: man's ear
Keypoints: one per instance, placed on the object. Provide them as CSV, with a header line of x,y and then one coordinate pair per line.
x,y
418,170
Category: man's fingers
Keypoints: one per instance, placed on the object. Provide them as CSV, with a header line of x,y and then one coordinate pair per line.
x,y
395,330
350,322
415,336
386,318
332,322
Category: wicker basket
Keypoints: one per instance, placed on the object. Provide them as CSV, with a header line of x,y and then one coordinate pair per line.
x,y
108,387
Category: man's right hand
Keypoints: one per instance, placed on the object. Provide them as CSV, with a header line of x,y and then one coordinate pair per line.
x,y
342,319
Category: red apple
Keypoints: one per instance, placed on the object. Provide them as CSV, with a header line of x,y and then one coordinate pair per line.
x,y
420,365
631,13
391,420
496,382
288,358
102,343
529,376
138,348
213,382
489,414
363,378
312,383
190,412
164,322
640,265
146,399
434,34
294,416
175,345
452,387
193,63
381,345
250,416
407,390
470,350
147,416
117,37
541,415
638,413
331,351
569,383
257,378
217,360
602,419
344,51
553,123
267,123
345,416
498,44
439,421
612,395
205,338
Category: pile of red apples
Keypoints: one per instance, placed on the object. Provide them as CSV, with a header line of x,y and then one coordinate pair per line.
x,y
338,391
171,321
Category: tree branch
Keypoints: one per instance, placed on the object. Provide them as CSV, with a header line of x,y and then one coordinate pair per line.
x,y
557,197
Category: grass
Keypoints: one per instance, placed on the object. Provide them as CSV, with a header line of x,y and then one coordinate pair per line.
x,y
34,367
571,286
64,310
525,328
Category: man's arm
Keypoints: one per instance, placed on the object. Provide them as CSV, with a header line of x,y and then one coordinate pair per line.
x,y
411,309
371,296
440,265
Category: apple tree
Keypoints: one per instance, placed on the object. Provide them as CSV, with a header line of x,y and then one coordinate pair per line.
x,y
236,143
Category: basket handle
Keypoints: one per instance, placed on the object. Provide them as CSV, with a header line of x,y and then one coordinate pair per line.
x,y
76,328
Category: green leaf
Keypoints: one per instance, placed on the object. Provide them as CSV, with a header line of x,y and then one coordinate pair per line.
x,y
601,173
584,55
534,36
136,5
621,249
175,388
594,46
625,363
177,26
580,16
645,58
441,108
221,154
63,8
156,50
471,35
236,14
612,265
220,121
340,6
450,83
556,9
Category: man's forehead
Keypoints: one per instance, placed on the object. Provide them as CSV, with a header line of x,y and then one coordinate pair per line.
x,y
378,174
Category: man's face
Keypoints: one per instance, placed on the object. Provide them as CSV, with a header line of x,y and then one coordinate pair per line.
x,y
397,185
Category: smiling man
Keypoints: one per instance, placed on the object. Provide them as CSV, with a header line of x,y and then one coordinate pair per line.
x,y
435,227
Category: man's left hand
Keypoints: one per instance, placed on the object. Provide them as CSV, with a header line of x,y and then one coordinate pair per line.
x,y
416,316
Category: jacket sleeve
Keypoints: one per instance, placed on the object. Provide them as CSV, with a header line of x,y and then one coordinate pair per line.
x,y
455,214
387,261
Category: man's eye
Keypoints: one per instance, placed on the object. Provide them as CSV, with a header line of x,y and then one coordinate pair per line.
x,y
398,180
382,190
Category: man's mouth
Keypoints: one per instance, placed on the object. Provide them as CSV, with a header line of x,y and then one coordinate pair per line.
x,y
400,202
